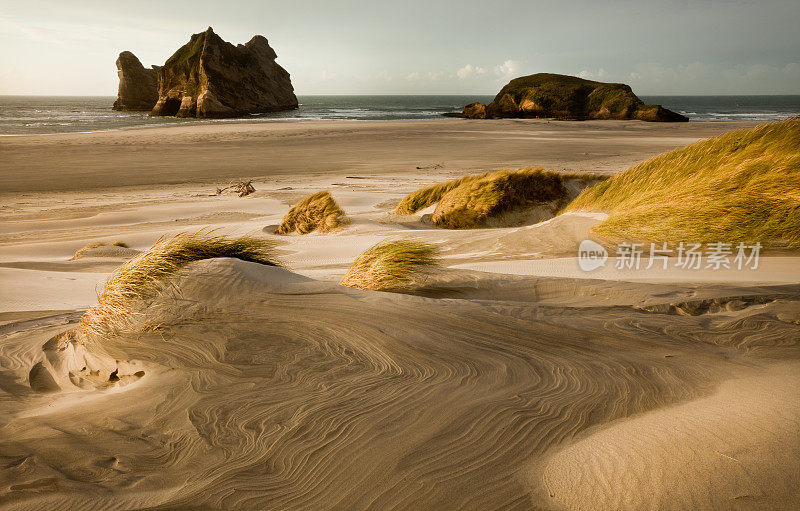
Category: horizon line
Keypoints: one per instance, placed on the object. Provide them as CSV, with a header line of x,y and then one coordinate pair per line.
x,y
390,95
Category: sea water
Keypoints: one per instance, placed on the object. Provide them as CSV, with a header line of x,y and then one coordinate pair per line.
x,y
28,115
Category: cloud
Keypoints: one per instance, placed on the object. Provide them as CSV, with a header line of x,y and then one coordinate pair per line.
x,y
416,76
326,76
469,70
791,69
385,76
601,74
507,68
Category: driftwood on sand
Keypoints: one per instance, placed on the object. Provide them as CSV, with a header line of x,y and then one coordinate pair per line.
x,y
242,188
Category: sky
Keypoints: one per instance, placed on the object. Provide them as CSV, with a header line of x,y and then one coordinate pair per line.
x,y
667,47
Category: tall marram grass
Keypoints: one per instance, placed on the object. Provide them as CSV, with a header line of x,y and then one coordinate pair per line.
x,y
391,265
742,186
472,200
146,275
424,197
472,203
317,212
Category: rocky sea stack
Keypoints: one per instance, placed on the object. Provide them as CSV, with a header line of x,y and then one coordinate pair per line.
x,y
568,97
209,77
138,85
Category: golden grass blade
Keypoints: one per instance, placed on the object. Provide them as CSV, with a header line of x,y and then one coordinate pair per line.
x,y
742,186
144,276
424,197
392,265
471,201
317,212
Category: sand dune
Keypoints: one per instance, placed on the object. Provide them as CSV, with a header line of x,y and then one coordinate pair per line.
x,y
510,380
375,400
731,450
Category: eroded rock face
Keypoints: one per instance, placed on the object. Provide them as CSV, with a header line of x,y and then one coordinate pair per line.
x,y
505,106
657,113
208,77
569,97
138,85
474,111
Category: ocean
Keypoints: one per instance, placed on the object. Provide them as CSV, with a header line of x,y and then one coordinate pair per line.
x,y
29,115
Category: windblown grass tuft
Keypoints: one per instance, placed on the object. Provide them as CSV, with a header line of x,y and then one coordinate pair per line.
x,y
317,212
742,186
429,195
472,201
392,265
144,276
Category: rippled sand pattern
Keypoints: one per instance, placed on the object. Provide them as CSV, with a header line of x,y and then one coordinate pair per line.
x,y
267,390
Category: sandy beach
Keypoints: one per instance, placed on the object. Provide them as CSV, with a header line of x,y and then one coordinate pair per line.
x,y
511,380
218,152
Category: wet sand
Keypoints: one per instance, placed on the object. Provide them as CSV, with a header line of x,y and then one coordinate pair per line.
x,y
207,154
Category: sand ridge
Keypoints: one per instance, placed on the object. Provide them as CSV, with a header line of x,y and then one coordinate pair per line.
x,y
731,450
370,401
526,385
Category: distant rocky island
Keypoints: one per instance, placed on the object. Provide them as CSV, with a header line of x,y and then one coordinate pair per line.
x,y
138,85
209,78
567,97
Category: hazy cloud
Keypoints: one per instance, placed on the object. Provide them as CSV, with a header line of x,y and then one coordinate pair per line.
x,y
507,69
469,71
667,47
601,74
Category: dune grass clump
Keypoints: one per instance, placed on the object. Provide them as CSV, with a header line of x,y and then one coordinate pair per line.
x,y
742,186
475,201
317,212
82,251
144,276
392,265
424,197
471,201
